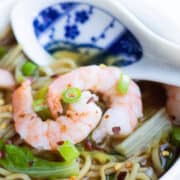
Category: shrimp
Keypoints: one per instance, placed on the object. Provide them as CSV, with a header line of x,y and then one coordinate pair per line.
x,y
124,110
6,79
80,119
173,103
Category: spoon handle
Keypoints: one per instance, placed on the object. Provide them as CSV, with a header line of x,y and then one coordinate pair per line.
x,y
151,69
153,45
162,17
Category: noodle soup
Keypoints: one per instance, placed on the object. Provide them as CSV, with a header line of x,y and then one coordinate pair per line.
x,y
145,153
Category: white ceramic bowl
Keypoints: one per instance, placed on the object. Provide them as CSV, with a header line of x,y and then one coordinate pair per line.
x,y
43,27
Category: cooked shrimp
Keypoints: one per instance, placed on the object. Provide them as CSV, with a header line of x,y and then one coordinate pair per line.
x,y
80,119
124,110
173,103
6,79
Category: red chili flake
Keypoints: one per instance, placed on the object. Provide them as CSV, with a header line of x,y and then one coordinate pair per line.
x,y
22,115
60,143
69,85
88,145
63,128
122,175
15,138
73,178
99,148
59,113
2,154
32,117
54,76
91,99
173,118
116,130
106,116
68,115
129,165
17,86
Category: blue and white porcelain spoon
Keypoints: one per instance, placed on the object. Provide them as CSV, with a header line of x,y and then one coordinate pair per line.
x,y
97,26
161,17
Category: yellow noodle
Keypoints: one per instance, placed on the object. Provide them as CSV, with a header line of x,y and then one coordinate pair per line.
x,y
62,66
4,172
143,169
127,176
10,133
5,115
134,171
142,176
93,174
86,166
108,166
17,177
89,168
58,67
1,102
10,60
6,108
138,159
95,167
156,161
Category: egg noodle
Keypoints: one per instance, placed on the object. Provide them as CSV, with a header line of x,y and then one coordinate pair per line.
x,y
91,165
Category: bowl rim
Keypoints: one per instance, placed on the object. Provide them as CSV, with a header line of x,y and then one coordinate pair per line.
x,y
172,173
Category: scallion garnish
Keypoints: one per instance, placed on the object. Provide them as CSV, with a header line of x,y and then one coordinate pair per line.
x,y
176,135
29,68
68,151
20,159
41,108
38,105
3,52
71,95
123,84
41,93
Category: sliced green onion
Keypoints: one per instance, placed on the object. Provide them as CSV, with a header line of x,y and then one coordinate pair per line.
x,y
21,160
3,52
68,151
102,157
41,93
42,109
29,68
123,84
71,95
38,105
176,135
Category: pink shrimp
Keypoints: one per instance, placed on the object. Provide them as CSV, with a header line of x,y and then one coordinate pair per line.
x,y
80,119
173,103
124,110
6,79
